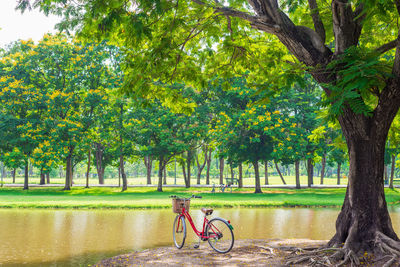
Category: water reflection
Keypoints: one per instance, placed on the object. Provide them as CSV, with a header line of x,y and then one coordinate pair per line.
x,y
73,238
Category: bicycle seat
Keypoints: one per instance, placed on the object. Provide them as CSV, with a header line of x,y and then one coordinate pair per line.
x,y
207,211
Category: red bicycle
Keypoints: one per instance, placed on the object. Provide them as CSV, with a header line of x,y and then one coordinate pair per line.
x,y
217,231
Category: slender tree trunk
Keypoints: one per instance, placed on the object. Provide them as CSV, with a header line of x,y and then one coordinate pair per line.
x,y
42,177
392,171
2,174
266,172
13,174
201,166
257,177
385,175
279,172
184,172
123,174
310,172
297,174
208,168
68,172
188,165
48,178
323,163
338,172
160,174
99,162
165,175
221,170
88,168
240,176
26,185
148,162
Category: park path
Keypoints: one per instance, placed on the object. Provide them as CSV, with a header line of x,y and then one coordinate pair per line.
x,y
248,252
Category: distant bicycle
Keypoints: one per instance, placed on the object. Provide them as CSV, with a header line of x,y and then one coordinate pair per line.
x,y
217,231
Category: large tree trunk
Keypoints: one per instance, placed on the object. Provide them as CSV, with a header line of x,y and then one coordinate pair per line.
x,y
26,185
364,216
392,171
148,162
257,177
323,163
221,170
14,171
297,174
339,167
279,172
208,168
240,184
310,172
266,172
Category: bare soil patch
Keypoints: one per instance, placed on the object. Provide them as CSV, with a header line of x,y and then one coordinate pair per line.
x,y
249,252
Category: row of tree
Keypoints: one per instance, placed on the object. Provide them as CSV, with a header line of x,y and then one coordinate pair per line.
x,y
60,105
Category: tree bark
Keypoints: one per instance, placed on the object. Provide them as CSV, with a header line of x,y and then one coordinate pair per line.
x,y
148,162
68,172
26,185
123,174
160,174
99,162
221,170
208,168
48,178
339,166
323,163
240,185
42,177
279,172
14,171
297,173
200,167
188,164
165,175
88,168
266,172
310,172
392,171
257,177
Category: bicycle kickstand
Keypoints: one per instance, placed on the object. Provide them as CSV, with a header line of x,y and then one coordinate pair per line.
x,y
198,244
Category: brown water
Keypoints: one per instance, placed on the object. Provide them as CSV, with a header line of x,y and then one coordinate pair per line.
x,y
80,238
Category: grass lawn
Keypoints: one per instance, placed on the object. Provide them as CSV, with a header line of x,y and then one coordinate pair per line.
x,y
141,197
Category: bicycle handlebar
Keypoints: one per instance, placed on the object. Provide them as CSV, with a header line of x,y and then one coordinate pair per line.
x,y
193,196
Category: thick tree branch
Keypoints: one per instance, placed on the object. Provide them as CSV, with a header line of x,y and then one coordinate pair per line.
x,y
318,24
387,47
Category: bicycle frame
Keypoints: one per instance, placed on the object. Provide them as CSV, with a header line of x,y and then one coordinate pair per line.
x,y
201,234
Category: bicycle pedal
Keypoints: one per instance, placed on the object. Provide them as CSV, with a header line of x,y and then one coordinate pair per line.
x,y
196,246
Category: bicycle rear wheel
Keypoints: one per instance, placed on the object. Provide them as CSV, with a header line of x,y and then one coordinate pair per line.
x,y
179,231
220,235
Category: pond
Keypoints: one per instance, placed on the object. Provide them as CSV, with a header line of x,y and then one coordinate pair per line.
x,y
80,238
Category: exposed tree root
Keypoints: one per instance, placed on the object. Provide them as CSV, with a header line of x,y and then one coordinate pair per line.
x,y
385,252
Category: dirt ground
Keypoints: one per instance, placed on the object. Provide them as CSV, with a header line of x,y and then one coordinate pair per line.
x,y
249,252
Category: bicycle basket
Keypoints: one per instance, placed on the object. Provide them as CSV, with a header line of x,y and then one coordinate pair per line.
x,y
177,205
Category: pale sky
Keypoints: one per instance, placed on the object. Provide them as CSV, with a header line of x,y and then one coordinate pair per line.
x,y
31,24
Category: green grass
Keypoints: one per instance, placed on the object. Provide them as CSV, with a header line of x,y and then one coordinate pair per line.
x,y
147,198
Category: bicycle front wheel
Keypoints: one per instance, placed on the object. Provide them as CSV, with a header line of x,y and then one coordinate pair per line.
x,y
179,231
220,235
